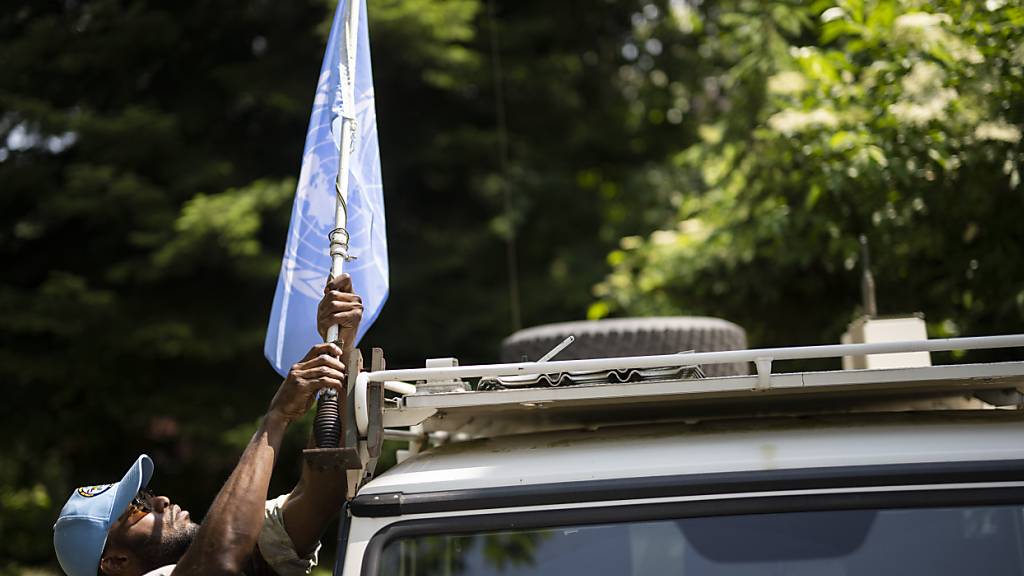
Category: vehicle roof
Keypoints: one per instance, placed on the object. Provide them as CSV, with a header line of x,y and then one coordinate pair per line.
x,y
710,446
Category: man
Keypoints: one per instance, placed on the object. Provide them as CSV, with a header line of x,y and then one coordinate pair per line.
x,y
121,530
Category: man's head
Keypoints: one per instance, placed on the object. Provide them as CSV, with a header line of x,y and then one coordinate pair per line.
x,y
117,528
151,533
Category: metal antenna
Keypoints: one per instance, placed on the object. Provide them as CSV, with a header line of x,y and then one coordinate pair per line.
x,y
554,351
867,280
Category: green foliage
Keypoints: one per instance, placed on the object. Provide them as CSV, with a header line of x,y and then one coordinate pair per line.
x,y
228,224
148,155
568,149
718,157
435,37
897,120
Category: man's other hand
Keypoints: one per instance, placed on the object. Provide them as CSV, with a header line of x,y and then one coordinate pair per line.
x,y
340,307
321,368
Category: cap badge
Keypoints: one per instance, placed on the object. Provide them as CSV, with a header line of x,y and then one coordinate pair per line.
x,y
90,491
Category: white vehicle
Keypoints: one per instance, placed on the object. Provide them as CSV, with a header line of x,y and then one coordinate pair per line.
x,y
912,470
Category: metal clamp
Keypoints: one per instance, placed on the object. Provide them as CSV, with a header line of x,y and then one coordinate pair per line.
x,y
346,455
764,372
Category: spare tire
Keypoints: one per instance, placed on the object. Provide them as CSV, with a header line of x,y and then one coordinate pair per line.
x,y
632,337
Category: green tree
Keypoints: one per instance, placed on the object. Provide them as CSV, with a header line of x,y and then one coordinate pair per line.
x,y
148,158
568,150
123,124
148,154
897,120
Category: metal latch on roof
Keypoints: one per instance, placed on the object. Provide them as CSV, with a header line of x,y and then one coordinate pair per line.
x,y
441,386
764,372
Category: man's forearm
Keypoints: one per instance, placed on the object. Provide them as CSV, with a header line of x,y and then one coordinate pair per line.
x,y
231,528
311,506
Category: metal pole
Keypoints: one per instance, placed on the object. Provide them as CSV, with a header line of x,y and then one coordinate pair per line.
x,y
339,236
867,282
328,422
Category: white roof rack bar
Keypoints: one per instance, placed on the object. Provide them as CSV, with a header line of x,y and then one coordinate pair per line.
x,y
725,357
958,378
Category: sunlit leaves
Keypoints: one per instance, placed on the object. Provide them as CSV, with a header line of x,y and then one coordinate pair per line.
x,y
228,222
884,121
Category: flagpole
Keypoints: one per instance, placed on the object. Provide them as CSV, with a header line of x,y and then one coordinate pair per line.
x,y
327,425
339,237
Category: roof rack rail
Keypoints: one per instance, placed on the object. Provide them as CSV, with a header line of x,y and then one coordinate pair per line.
x,y
762,357
374,414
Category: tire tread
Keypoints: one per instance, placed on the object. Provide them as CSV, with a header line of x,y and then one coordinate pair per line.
x,y
632,337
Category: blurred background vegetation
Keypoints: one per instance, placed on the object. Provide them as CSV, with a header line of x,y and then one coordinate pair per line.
x,y
663,157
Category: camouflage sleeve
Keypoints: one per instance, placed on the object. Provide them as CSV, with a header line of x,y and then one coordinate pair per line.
x,y
276,546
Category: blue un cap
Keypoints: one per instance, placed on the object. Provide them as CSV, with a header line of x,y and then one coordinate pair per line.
x,y
81,529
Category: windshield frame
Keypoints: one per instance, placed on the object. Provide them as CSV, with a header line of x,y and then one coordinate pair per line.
x,y
932,496
377,505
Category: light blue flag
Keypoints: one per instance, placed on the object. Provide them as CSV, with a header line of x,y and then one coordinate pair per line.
x,y
307,262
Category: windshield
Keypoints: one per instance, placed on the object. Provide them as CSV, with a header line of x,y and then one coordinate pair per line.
x,y
935,541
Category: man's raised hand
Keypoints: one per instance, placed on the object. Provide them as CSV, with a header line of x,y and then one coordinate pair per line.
x,y
321,368
340,307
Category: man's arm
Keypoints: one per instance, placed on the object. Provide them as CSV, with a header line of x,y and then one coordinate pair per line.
x,y
318,496
231,528
311,506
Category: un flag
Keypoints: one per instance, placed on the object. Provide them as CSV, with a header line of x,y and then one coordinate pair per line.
x,y
307,262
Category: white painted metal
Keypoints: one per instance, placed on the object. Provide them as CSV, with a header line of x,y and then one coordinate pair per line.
x,y
725,357
402,435
735,446
395,418
558,348
763,365
392,418
417,407
359,399
447,384
339,237
700,447
956,377
868,329
403,388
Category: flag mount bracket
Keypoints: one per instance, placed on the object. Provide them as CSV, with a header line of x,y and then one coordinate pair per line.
x,y
324,459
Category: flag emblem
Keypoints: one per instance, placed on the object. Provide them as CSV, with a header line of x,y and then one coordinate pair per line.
x,y
307,262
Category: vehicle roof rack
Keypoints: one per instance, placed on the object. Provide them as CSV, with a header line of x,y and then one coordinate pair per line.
x,y
679,394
